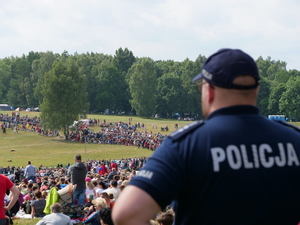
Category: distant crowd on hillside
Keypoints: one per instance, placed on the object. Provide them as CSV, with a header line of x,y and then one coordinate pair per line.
x,y
119,133
15,118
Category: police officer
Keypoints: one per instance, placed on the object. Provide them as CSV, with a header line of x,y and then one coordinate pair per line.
x,y
236,168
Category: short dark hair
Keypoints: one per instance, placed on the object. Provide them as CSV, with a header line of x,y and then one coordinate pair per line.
x,y
114,183
29,162
111,195
104,195
103,184
38,194
105,215
78,157
116,177
122,187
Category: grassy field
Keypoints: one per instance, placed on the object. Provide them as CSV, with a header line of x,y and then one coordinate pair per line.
x,y
25,221
49,151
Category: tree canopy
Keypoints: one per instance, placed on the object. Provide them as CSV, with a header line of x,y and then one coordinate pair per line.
x,y
64,94
142,84
123,83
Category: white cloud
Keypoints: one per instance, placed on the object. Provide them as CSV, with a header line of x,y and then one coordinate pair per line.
x,y
160,29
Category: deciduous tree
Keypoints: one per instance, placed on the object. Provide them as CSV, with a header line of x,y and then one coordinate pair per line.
x,y
64,94
143,84
289,103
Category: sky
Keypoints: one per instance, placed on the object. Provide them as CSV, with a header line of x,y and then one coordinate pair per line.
x,y
159,29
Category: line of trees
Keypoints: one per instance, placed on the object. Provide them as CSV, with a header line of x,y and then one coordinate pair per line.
x,y
95,82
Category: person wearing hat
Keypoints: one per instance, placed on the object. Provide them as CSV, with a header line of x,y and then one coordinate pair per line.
x,y
119,182
90,198
241,167
90,188
26,204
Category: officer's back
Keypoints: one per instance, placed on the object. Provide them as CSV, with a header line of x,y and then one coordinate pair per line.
x,y
236,168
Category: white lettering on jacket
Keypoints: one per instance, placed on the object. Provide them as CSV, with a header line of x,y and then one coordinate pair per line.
x,y
145,173
237,156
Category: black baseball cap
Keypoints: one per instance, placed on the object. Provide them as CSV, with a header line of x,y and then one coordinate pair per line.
x,y
221,68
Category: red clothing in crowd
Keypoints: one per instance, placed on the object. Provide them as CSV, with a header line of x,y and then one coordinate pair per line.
x,y
6,184
103,170
114,165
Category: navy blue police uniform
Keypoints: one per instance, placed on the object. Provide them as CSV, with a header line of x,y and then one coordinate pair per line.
x,y
236,168
228,170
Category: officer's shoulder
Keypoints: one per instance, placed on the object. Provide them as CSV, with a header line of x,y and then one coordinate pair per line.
x,y
288,125
183,131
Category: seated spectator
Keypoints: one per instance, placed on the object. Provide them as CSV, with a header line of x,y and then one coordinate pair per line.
x,y
44,186
119,183
21,196
90,198
112,200
56,217
105,216
113,189
106,197
125,182
38,205
23,188
90,188
26,204
38,182
100,189
44,194
62,182
29,187
112,173
93,215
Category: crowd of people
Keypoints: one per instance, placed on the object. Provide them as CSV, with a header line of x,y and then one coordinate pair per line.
x,y
120,133
98,183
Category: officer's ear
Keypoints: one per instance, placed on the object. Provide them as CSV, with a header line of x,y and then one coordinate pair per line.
x,y
211,93
257,89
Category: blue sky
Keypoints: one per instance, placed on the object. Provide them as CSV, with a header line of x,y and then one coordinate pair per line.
x,y
159,29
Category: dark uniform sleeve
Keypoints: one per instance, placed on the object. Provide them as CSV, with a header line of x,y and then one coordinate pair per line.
x,y
162,176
